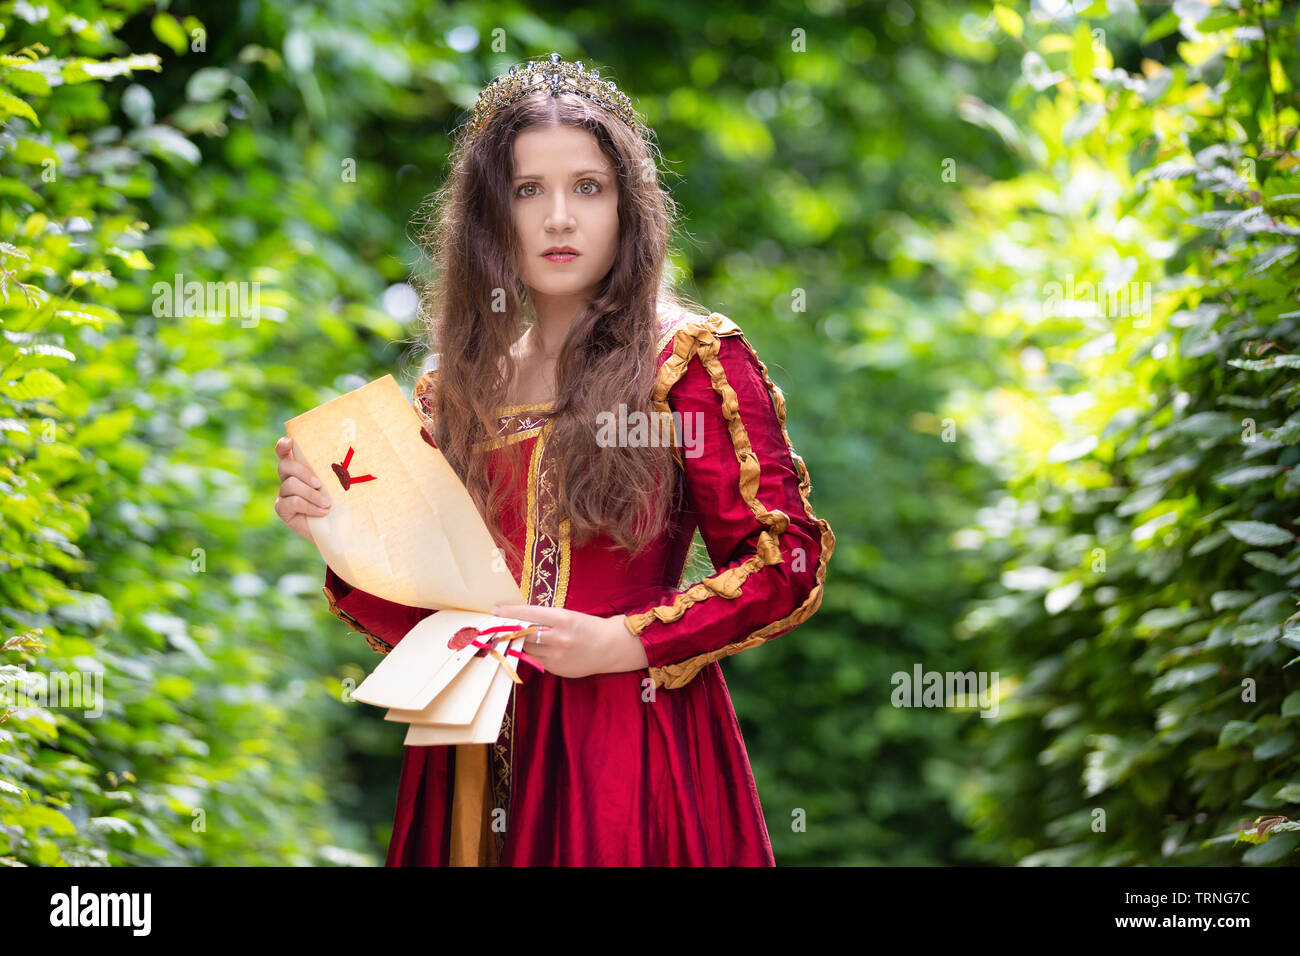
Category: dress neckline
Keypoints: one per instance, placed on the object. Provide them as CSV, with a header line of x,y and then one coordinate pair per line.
x,y
505,411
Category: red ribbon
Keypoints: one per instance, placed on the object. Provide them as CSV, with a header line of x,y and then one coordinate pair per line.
x,y
469,636
346,480
527,658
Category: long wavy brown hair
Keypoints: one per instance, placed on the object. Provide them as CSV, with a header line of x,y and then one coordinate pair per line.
x,y
608,358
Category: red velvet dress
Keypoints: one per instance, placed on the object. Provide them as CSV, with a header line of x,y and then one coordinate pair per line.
x,y
615,769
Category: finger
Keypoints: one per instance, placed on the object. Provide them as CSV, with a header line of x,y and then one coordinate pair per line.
x,y
284,448
284,512
293,485
533,613
538,652
294,504
297,469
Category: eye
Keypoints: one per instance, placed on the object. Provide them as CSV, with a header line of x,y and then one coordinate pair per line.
x,y
519,191
593,191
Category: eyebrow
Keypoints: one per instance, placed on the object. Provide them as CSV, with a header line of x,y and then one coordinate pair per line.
x,y
581,172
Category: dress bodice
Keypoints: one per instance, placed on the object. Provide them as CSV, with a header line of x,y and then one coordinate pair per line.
x,y
746,491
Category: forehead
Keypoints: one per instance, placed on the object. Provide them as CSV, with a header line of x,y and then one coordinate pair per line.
x,y
557,149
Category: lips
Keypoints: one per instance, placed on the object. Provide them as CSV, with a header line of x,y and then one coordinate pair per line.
x,y
561,254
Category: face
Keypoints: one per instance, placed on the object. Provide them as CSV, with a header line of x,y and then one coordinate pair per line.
x,y
565,194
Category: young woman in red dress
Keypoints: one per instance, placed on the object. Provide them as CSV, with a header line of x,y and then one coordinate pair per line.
x,y
626,749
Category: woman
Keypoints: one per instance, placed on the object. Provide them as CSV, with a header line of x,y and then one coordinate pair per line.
x,y
593,445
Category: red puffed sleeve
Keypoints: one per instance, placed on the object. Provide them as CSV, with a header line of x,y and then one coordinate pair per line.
x,y
750,493
384,623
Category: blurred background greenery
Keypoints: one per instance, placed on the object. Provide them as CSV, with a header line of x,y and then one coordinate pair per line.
x,y
909,206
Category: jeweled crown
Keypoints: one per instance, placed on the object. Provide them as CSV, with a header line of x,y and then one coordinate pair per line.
x,y
555,76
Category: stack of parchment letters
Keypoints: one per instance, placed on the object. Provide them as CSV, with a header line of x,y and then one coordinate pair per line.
x,y
403,527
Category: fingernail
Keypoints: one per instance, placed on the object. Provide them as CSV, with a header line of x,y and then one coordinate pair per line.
x,y
315,482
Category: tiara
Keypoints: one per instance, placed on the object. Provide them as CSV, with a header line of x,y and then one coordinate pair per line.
x,y
555,76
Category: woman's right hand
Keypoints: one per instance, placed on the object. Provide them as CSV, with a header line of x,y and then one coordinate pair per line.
x,y
300,491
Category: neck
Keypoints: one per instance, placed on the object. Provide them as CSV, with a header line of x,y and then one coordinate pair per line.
x,y
555,317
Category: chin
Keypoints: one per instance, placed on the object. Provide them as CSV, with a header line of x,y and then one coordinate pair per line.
x,y
571,285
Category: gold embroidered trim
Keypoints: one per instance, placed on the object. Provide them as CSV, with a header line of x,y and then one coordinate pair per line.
x,y
424,385
499,773
544,580
377,644
507,410
522,435
546,559
701,338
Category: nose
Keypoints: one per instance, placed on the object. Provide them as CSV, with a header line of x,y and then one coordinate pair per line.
x,y
559,217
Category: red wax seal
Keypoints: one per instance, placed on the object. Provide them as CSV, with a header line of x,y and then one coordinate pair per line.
x,y
341,472
463,638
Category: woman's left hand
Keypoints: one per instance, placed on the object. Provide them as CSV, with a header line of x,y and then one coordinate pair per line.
x,y
574,644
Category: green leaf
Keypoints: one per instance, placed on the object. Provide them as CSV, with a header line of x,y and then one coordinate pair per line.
x,y
167,143
1272,563
82,70
1291,704
26,81
30,151
38,383
1179,678
1259,533
1246,474
1276,745
1235,732
1265,798
1161,27
1082,56
1274,849
975,111
1288,432
1271,257
33,817
88,313
169,31
207,84
1220,20
1268,364
1287,793
1287,204
11,105
1009,20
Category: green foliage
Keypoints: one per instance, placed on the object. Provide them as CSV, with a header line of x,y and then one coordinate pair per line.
x,y
291,147
203,720
1142,448
1145,628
